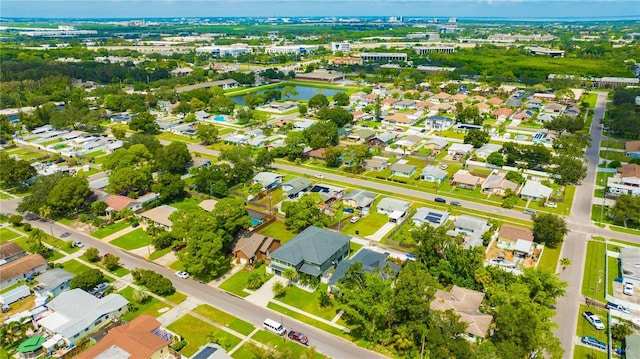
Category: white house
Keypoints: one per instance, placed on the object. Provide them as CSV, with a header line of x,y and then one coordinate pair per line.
x,y
393,208
459,149
535,191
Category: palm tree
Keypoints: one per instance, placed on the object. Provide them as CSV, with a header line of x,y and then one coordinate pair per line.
x,y
278,289
13,333
290,274
35,240
140,296
565,262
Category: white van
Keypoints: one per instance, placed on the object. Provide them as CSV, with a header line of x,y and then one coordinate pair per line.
x,y
273,326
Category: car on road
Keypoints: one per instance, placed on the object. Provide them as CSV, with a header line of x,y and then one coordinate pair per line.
x,y
627,288
530,211
618,307
78,244
183,275
593,320
440,200
65,235
593,342
319,176
444,167
551,205
456,203
298,337
355,219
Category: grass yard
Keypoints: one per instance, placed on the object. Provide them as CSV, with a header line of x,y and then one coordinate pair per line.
x,y
4,196
625,230
586,329
120,271
159,253
601,178
276,341
177,265
151,307
549,259
277,230
354,247
614,156
613,271
169,136
619,145
582,352
591,99
110,229
132,240
367,225
197,333
593,283
308,302
75,267
310,321
237,282
176,297
7,235
225,319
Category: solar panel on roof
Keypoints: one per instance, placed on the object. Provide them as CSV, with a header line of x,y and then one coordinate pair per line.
x,y
205,353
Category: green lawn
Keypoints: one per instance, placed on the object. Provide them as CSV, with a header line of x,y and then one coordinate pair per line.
x,y
177,265
7,235
277,230
591,99
225,319
625,230
132,240
620,145
598,193
237,282
159,253
4,196
308,302
549,259
613,271
586,329
110,229
245,352
582,352
593,284
614,156
151,307
601,178
276,341
353,248
303,318
120,271
169,136
176,297
367,225
197,333
75,267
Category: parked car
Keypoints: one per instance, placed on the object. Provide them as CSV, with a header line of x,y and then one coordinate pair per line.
x,y
135,224
348,210
178,247
444,167
440,200
78,244
183,275
456,203
355,219
551,205
65,235
319,176
5,308
593,342
618,307
298,337
530,211
594,320
627,288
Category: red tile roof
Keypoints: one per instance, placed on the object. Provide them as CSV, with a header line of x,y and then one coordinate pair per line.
x,y
117,202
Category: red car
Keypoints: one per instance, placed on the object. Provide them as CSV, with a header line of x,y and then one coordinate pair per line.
x,y
298,337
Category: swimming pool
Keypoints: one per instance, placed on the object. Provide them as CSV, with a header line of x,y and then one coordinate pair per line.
x,y
521,137
220,118
256,218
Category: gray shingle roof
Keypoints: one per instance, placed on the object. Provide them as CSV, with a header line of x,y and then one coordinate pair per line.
x,y
370,262
54,277
361,197
470,222
434,171
392,204
296,185
314,245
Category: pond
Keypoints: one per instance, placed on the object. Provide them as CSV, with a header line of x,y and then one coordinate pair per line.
x,y
304,93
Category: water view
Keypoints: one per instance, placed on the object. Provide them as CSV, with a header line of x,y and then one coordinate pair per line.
x,y
304,93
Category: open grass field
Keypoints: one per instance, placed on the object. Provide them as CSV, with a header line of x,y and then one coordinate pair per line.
x,y
132,240
308,302
110,229
225,319
197,333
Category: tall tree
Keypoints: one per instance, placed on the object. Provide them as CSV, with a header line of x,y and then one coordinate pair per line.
x,y
318,101
549,229
145,123
303,213
477,138
14,172
173,158
207,134
69,196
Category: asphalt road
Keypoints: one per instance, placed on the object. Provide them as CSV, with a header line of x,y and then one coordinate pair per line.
x,y
324,342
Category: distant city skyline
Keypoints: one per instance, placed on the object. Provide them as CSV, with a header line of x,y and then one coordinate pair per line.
x,y
513,9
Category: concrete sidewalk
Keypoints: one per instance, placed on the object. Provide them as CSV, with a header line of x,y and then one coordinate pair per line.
x,y
264,294
118,234
179,311
380,233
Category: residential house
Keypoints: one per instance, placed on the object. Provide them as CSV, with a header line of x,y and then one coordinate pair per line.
x,y
408,142
495,101
534,104
513,102
460,97
465,179
328,193
403,170
465,303
553,108
630,264
546,117
483,108
53,282
118,203
393,208
382,139
159,217
487,149
441,97
543,137
436,144
362,135
400,118
404,105
535,191
422,105
303,125
317,154
439,123
625,181
502,113
512,237
358,198
268,180
370,98
10,251
359,115
282,106
433,217
295,186
199,162
251,246
20,269
181,71
141,338
443,107
632,149
459,149
375,163
472,228
312,252
572,111
113,145
74,322
238,139
477,99
497,184
372,262
432,173
523,115
202,115
388,103
357,96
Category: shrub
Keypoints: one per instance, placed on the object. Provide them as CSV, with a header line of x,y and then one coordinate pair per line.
x,y
111,262
257,264
155,282
83,218
614,164
255,281
16,220
87,280
27,227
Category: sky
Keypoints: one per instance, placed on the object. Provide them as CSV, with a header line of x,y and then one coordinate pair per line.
x,y
516,9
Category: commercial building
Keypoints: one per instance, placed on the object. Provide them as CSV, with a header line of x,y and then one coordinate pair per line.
x,y
423,50
383,56
221,51
341,47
